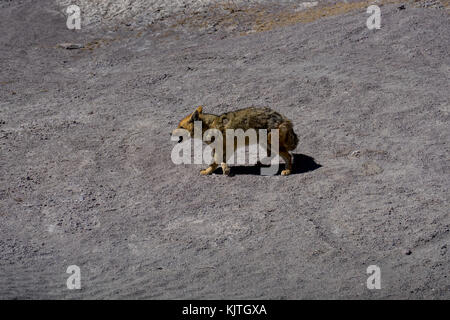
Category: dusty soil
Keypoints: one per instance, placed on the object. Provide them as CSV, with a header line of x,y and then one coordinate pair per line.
x,y
86,176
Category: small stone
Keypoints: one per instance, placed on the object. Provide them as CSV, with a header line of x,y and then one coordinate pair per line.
x,y
70,46
355,154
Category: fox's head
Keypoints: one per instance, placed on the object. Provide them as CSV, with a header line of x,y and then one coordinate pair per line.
x,y
188,122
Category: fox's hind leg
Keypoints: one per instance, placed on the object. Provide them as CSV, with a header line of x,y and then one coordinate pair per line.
x,y
288,141
288,159
283,153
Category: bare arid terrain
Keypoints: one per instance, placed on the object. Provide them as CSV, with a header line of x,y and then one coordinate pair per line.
x,y
86,176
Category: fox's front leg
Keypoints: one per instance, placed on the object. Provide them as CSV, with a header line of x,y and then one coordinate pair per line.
x,y
223,160
209,170
213,167
225,169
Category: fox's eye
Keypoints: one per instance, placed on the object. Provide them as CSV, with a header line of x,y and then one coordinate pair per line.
x,y
180,139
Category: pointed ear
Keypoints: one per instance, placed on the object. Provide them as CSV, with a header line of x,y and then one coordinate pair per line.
x,y
196,115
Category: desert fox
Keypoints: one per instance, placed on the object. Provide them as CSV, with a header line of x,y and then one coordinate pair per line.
x,y
249,118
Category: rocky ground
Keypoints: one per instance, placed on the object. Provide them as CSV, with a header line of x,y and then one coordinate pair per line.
x,y
86,176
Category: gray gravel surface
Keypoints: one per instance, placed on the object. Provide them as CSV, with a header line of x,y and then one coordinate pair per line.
x,y
86,176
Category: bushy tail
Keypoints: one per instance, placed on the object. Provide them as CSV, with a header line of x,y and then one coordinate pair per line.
x,y
288,138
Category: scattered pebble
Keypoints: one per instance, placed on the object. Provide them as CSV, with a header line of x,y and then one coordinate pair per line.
x,y
355,154
70,46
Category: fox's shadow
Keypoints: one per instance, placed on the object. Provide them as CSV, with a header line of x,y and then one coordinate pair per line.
x,y
301,164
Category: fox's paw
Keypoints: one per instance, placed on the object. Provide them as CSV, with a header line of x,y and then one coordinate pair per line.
x,y
286,172
225,169
205,172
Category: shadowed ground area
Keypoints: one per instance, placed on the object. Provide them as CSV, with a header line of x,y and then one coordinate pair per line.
x,y
301,164
86,176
